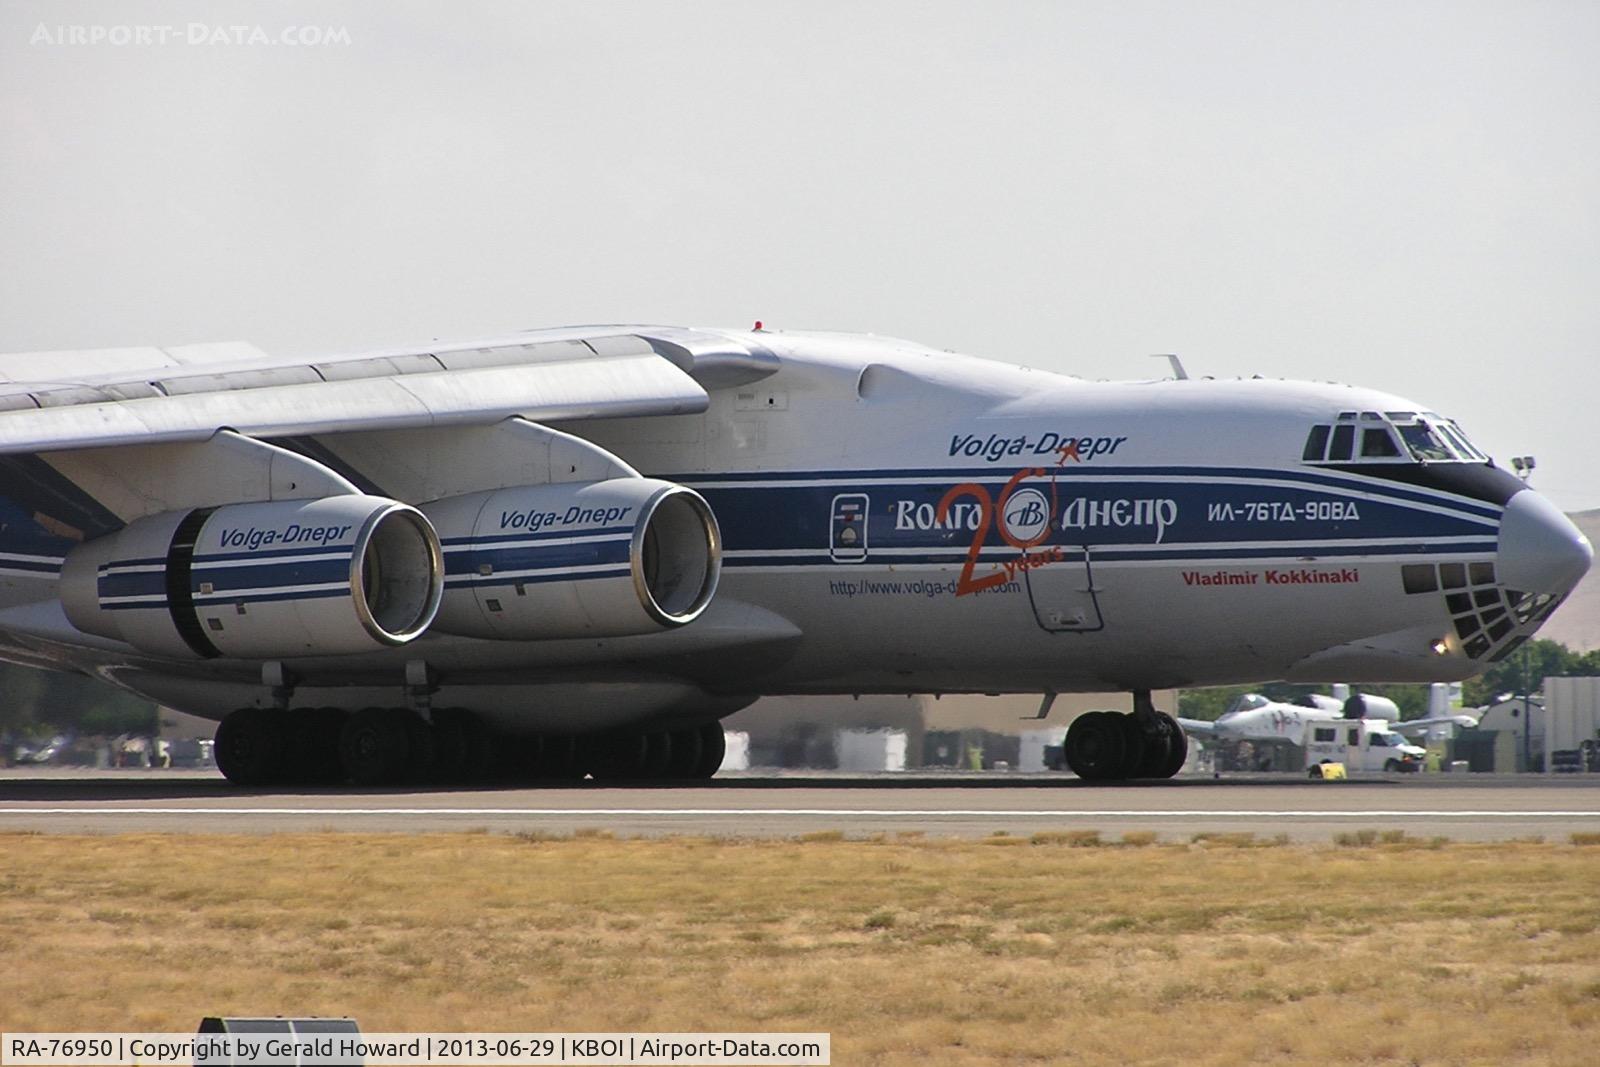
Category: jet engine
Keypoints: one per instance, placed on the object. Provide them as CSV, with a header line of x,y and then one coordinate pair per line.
x,y
582,559
341,574
1371,706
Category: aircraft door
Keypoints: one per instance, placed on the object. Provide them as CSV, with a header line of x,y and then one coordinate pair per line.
x,y
1064,596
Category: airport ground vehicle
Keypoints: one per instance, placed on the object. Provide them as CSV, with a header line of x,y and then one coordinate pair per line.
x,y
1361,745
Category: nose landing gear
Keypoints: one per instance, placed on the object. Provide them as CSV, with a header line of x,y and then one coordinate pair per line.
x,y
1106,745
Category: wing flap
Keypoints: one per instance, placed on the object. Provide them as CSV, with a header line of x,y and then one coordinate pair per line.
x,y
34,367
596,387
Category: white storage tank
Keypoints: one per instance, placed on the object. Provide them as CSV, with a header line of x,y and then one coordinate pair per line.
x,y
866,751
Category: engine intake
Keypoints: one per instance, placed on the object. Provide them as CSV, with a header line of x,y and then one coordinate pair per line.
x,y
331,576
585,559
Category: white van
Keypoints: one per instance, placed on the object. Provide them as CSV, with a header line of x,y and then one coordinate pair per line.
x,y
1361,745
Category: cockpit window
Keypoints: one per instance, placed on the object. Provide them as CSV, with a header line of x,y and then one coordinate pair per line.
x,y
1377,443
1414,447
1316,444
1343,438
1459,440
1425,445
1406,437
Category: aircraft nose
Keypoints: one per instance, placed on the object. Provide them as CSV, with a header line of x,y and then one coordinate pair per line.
x,y
1540,551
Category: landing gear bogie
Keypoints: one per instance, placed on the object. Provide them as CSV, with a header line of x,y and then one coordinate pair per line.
x,y
377,747
1110,746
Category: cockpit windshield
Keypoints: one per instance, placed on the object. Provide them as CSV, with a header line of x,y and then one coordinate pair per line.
x,y
1408,437
1424,444
1248,702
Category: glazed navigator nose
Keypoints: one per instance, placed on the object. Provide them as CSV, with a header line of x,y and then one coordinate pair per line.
x,y
1540,551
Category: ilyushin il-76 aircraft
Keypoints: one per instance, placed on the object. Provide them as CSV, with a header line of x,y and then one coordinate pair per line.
x,y
570,553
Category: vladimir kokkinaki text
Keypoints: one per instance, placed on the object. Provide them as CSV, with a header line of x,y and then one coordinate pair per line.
x,y
444,1050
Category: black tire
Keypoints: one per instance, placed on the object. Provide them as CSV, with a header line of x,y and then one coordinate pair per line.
x,y
249,747
1315,771
1391,765
1143,753
300,745
620,756
311,745
1177,747
478,744
420,766
558,758
373,747
1095,745
520,757
657,754
685,757
449,746
713,750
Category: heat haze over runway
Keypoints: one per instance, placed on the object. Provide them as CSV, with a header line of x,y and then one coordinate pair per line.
x,y
1476,809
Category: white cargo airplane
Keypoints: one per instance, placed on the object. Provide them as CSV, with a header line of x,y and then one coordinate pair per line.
x,y
572,551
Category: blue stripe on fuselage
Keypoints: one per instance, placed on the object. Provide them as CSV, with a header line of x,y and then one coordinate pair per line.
x,y
846,480
1190,513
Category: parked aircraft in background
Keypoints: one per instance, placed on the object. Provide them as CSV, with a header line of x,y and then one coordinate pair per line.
x,y
571,552
1260,722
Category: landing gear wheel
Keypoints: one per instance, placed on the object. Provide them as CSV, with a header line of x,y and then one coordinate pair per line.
x,y
1139,749
713,749
1177,747
477,763
299,745
685,758
249,747
520,757
619,756
373,747
657,754
311,745
449,746
1095,745
558,758
420,765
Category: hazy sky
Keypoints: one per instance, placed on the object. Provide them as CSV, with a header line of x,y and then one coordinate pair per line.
x,y
1401,195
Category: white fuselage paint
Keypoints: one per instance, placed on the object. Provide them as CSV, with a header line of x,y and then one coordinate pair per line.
x,y
1165,533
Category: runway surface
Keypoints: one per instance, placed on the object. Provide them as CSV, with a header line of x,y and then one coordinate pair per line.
x,y
1485,808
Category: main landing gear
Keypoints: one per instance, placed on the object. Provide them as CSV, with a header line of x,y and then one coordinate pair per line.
x,y
1109,745
394,746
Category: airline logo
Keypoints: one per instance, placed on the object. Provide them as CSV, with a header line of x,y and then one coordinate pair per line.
x,y
533,520
1026,516
294,534
1120,513
995,447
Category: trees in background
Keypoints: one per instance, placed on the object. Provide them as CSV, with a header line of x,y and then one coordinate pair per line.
x,y
39,703
1530,665
1535,661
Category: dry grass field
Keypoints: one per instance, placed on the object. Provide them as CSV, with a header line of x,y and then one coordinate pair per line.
x,y
1054,949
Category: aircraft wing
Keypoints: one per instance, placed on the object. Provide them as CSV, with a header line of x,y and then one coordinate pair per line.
x,y
1198,727
1415,728
537,377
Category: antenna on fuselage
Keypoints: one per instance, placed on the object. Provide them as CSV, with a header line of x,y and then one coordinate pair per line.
x,y
1177,365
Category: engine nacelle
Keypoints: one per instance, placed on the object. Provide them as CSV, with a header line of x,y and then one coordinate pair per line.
x,y
336,575
1371,706
583,559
